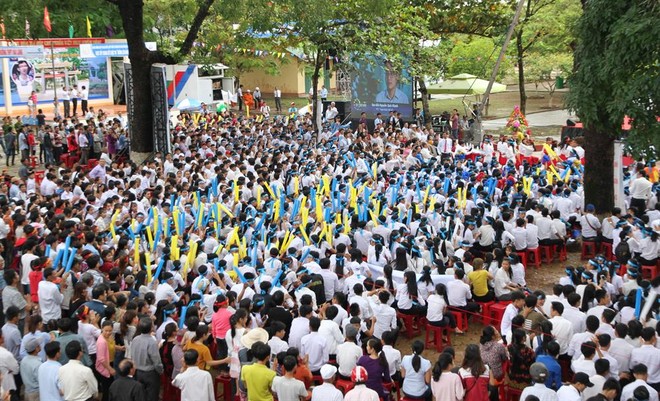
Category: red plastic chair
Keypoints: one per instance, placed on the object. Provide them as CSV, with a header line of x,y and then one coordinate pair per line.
x,y
412,324
588,250
536,256
436,332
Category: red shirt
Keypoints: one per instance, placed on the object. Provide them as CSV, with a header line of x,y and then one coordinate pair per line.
x,y
35,277
220,323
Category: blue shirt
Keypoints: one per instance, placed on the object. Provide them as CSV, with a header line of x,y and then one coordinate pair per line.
x,y
30,373
553,380
49,388
414,384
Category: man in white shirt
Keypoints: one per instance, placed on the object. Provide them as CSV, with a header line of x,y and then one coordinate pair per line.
x,y
315,347
195,384
77,381
512,310
385,314
585,363
579,338
572,391
520,235
590,224
562,329
300,326
331,112
327,391
573,314
640,192
348,353
445,145
50,297
329,329
392,355
458,293
648,355
621,349
641,374
165,289
539,373
365,308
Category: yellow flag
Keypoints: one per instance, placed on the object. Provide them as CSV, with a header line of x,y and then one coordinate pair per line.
x,y
89,28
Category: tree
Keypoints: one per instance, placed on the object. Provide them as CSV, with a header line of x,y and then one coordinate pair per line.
x,y
429,61
476,56
544,28
544,68
132,15
617,73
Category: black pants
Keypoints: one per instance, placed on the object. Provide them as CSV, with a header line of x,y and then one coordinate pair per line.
x,y
490,296
67,108
151,382
639,205
470,307
447,319
75,106
11,154
223,352
278,104
105,383
83,106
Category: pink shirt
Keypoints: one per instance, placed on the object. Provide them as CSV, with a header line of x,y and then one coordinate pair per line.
x,y
102,355
220,323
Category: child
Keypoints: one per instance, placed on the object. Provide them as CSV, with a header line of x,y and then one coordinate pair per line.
x,y
287,387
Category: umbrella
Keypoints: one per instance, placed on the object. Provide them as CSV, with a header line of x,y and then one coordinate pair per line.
x,y
189,104
464,84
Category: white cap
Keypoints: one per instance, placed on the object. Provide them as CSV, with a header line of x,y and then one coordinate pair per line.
x,y
327,371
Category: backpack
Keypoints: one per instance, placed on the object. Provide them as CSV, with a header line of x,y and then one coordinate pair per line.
x,y
622,252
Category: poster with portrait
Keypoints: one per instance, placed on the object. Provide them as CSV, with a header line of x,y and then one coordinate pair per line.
x,y
378,87
68,69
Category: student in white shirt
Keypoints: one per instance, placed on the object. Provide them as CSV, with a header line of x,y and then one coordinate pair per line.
x,y
437,312
348,353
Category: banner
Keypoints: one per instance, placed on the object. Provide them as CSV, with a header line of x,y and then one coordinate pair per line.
x,y
91,50
58,42
21,51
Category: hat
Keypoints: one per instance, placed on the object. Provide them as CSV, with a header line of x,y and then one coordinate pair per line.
x,y
31,345
583,378
328,371
538,371
359,375
254,336
590,208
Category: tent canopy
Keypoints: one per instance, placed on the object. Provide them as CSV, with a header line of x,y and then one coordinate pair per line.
x,y
189,104
464,84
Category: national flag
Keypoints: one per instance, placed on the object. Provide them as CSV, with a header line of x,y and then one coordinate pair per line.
x,y
47,20
70,31
89,28
27,28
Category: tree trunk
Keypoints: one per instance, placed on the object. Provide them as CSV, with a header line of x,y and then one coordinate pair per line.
x,y
521,71
598,173
318,63
426,109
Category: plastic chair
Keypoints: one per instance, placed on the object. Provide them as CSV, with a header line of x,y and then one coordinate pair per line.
x,y
497,312
461,319
547,253
606,249
437,332
588,250
344,385
410,321
536,253
649,272
485,311
225,381
393,386
523,258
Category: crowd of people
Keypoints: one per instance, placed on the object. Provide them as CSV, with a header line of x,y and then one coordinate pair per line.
x,y
280,260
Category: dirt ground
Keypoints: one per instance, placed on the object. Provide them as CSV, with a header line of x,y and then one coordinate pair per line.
x,y
542,278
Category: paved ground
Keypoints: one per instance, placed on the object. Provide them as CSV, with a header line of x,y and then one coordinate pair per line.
x,y
541,119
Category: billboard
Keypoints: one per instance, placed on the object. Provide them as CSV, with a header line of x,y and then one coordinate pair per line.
x,y
32,73
377,87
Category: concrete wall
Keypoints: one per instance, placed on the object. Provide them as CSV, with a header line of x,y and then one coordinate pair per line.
x,y
290,80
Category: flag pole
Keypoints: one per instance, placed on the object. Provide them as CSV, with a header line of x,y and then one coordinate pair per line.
x,y
52,63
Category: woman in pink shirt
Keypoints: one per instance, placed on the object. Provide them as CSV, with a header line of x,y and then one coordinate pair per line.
x,y
106,372
220,325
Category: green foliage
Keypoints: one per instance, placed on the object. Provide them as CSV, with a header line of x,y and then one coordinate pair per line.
x,y
476,56
488,18
62,14
618,72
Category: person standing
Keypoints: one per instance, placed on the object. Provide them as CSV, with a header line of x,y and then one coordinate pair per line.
x,y
105,371
257,97
23,144
10,145
49,388
75,95
195,384
77,380
83,143
640,192
50,297
144,350
66,101
327,391
239,97
278,99
9,367
29,369
125,387
84,96
258,378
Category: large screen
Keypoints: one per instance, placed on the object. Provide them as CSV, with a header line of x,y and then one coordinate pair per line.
x,y
378,87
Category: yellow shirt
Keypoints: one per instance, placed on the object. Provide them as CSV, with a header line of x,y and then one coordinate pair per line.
x,y
258,379
479,280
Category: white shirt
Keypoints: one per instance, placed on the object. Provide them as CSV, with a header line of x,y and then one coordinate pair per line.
x,y
598,382
165,291
568,393
629,389
77,381
649,356
584,365
541,391
348,354
327,392
89,333
393,357
436,306
640,188
277,345
195,384
509,313
576,317
26,259
385,319
50,300
315,346
299,329
576,343
458,292
332,334
621,350
562,330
